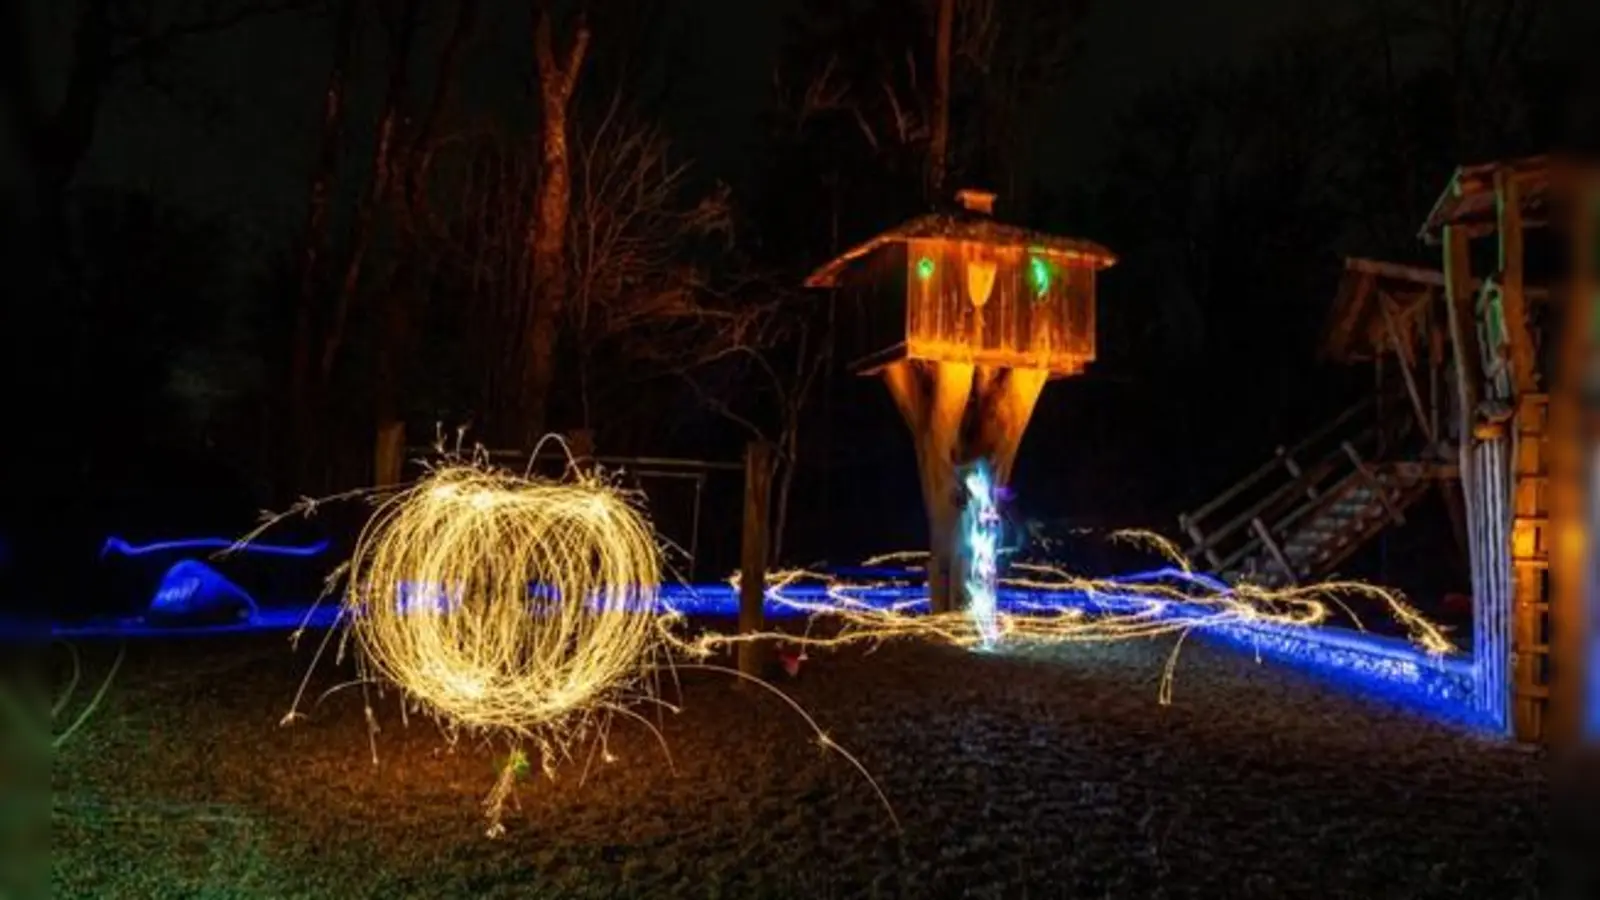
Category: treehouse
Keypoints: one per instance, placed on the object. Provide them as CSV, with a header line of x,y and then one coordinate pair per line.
x,y
964,287
965,317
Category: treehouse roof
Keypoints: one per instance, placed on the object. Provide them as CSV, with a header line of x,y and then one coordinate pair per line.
x,y
968,226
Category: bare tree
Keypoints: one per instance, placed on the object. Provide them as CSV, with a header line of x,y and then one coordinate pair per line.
x,y
779,356
938,143
314,245
636,285
108,37
547,230
638,255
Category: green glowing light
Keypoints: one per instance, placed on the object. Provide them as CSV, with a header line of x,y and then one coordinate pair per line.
x,y
1039,272
924,268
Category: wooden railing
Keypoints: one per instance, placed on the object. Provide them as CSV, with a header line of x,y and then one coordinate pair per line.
x,y
1297,481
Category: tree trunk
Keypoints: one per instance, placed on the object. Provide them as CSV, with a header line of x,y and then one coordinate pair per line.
x,y
939,139
957,414
1005,400
299,415
547,231
933,399
408,284
420,156
57,141
383,159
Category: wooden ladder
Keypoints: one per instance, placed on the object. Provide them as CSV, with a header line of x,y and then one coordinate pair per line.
x,y
1530,566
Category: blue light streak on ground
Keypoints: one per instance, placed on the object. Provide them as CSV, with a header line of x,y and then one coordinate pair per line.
x,y
121,547
1363,663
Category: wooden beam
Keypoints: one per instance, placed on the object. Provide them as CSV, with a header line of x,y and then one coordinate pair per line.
x,y
1278,555
1395,271
1463,323
1407,359
1425,277
753,555
876,363
1435,363
1374,484
1508,192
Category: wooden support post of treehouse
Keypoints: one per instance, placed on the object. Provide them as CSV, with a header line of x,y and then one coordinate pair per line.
x,y
959,413
932,396
753,554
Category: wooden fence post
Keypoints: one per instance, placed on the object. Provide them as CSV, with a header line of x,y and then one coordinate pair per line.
x,y
753,554
388,453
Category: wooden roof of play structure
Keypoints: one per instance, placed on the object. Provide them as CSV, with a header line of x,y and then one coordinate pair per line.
x,y
970,226
1371,294
1469,200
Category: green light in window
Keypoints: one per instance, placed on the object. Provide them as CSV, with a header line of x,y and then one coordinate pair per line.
x,y
924,268
1039,273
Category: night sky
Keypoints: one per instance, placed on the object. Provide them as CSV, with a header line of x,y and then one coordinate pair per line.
x,y
1208,325
244,154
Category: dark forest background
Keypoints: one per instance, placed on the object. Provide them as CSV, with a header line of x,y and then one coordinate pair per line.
x,y
180,362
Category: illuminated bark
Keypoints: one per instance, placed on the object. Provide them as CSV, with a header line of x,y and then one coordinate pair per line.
x,y
558,74
957,414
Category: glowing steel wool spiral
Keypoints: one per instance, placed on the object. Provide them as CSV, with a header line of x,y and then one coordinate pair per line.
x,y
513,607
507,604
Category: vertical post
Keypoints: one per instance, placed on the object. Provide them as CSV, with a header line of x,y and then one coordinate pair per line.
x,y
1477,486
1380,408
1571,537
694,525
1462,318
1509,197
388,453
580,443
1404,358
1435,361
753,553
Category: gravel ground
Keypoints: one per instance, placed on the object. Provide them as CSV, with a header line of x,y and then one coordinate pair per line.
x,y
1048,774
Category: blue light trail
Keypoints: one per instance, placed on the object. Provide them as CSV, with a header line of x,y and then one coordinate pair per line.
x,y
123,548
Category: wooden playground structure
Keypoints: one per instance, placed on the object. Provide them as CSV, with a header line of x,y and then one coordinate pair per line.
x,y
1466,402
